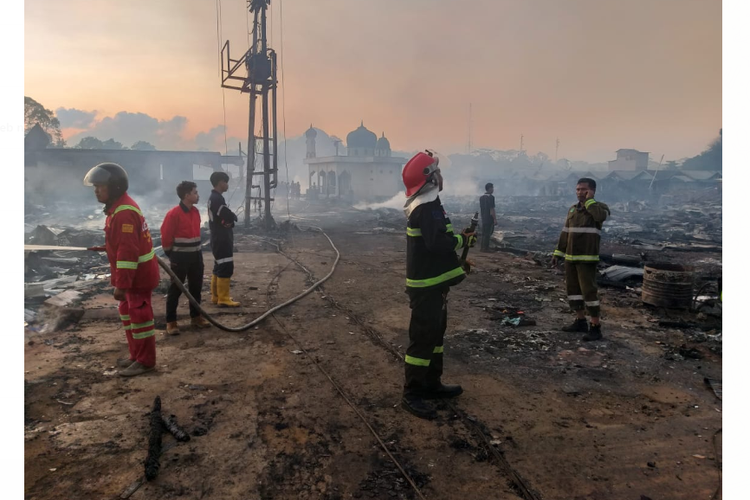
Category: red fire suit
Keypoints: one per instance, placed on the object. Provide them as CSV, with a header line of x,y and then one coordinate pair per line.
x,y
135,270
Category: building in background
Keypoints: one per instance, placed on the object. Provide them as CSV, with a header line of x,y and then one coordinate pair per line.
x,y
629,159
368,172
52,173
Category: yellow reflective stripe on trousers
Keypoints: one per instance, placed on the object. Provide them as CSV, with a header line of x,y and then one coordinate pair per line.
x,y
438,350
127,207
459,242
436,280
558,253
410,360
582,258
124,317
143,335
136,326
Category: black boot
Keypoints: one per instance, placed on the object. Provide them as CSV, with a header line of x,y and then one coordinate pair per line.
x,y
442,391
579,325
418,407
594,333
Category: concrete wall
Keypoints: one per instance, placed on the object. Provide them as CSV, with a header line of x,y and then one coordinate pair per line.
x,y
629,160
54,173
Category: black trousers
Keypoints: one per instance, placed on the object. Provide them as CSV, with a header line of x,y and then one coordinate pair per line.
x,y
222,246
424,356
190,267
487,230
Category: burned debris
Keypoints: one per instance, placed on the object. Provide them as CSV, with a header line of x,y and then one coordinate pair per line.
x,y
156,427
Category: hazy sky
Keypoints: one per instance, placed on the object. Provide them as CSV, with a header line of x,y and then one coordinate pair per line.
x,y
599,74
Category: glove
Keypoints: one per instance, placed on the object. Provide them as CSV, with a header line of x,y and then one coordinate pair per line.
x,y
97,249
470,238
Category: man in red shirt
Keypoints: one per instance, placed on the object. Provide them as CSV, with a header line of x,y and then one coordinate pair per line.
x,y
133,267
181,241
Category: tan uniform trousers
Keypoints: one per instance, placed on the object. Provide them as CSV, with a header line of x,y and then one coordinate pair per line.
x,y
580,282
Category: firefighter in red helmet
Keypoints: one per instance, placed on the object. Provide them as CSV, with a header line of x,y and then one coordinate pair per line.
x,y
432,267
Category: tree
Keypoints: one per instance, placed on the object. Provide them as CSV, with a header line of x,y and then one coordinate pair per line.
x,y
710,159
112,144
34,113
94,143
143,146
89,143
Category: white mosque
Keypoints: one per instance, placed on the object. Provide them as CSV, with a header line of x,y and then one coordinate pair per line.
x,y
368,172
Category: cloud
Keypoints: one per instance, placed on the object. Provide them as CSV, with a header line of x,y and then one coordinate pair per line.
x,y
75,118
213,140
128,128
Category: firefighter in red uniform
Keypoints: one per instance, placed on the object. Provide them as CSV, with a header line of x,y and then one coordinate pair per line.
x,y
134,270
432,267
181,241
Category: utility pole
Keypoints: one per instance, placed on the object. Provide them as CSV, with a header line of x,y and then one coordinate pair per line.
x,y
557,149
520,151
657,171
468,145
260,81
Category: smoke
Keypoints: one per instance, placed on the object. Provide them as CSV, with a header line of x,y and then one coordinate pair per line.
x,y
465,184
396,203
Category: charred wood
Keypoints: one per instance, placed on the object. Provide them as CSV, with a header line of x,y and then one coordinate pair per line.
x,y
156,427
170,424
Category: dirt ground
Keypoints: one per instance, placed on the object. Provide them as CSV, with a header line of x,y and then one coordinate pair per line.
x,y
543,416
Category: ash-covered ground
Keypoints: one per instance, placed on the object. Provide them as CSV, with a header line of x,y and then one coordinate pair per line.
x,y
637,414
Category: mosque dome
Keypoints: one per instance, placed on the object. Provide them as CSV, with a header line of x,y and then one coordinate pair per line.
x,y
361,138
383,143
311,132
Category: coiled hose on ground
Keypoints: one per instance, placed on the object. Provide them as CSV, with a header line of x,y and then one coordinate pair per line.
x,y
263,316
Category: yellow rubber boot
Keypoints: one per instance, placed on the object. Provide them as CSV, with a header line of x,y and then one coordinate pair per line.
x,y
222,286
214,292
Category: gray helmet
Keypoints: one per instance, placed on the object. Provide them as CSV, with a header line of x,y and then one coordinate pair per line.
x,y
110,174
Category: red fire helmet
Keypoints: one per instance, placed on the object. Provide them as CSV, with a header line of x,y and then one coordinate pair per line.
x,y
418,171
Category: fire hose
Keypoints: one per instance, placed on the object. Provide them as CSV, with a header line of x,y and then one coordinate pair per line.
x,y
197,304
263,316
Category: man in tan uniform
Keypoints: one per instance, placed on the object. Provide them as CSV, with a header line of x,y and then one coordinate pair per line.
x,y
579,246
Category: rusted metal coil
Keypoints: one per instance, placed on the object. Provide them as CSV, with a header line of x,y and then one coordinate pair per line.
x,y
668,285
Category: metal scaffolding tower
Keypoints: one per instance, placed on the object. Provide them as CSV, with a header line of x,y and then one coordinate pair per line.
x,y
255,73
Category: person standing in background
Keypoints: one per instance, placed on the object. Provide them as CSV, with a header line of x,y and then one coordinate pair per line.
x,y
487,211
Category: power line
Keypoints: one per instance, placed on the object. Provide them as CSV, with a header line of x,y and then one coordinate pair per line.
x,y
283,102
224,110
247,25
219,38
218,41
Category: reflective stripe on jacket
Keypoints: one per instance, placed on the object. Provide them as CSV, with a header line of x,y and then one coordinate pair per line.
x,y
181,230
580,237
431,247
129,247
